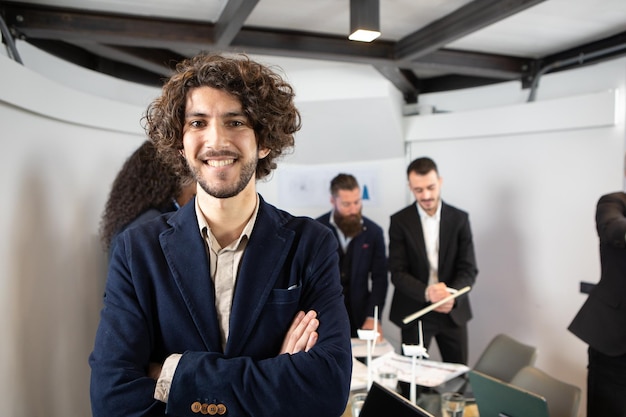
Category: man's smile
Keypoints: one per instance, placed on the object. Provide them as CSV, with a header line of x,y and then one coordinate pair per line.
x,y
219,162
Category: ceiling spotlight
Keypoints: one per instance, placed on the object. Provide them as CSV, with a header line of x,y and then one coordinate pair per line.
x,y
364,20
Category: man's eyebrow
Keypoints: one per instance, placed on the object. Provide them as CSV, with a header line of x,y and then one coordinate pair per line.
x,y
234,113
195,114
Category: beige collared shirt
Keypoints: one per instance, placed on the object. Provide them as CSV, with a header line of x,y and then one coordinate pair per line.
x,y
224,266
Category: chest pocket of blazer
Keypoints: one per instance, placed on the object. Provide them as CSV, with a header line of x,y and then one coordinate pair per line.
x,y
285,296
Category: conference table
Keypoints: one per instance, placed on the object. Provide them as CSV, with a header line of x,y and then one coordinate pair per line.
x,y
434,377
430,402
470,411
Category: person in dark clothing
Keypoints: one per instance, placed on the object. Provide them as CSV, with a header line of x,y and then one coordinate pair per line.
x,y
601,321
431,255
362,254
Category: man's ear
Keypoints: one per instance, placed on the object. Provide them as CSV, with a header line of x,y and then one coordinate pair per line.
x,y
264,152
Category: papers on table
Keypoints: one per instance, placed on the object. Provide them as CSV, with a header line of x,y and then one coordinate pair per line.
x,y
359,348
428,373
359,369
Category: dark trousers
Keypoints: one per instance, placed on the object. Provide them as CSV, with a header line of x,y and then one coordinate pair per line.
x,y
606,385
452,340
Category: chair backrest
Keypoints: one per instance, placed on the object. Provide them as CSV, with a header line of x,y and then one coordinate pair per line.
x,y
495,397
504,357
563,399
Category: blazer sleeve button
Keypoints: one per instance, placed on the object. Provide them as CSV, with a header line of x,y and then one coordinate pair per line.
x,y
195,407
221,409
212,409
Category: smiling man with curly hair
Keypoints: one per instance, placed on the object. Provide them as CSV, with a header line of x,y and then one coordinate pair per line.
x,y
229,305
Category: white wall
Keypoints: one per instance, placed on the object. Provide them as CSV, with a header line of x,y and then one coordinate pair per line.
x,y
531,198
61,151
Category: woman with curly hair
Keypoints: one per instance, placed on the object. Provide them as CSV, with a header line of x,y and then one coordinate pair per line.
x,y
228,306
144,188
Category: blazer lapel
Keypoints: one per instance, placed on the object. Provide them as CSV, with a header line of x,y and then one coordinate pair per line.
x,y
358,248
186,255
263,260
414,226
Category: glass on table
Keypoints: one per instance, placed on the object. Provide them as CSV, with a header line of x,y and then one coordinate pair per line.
x,y
452,404
388,377
357,401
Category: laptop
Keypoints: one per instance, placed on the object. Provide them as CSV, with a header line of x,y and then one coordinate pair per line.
x,y
496,398
382,402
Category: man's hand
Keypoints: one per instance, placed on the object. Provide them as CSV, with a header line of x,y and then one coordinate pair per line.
x,y
437,292
368,324
302,334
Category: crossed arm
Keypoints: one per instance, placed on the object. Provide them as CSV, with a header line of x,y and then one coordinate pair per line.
x,y
301,336
138,334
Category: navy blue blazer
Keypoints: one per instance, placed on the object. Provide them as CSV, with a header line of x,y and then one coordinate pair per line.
x,y
601,321
160,300
409,266
369,261
149,214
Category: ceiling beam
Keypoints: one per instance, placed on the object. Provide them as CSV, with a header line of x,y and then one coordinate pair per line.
x,y
91,61
404,80
54,23
231,20
467,19
590,53
312,46
157,61
448,83
146,48
473,64
73,26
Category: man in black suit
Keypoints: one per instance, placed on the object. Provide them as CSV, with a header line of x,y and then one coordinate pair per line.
x,y
431,254
362,253
601,321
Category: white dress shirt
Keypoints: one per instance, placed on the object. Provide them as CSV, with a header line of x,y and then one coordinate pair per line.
x,y
430,227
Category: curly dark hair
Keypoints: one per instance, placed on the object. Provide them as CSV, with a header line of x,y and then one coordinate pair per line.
x,y
266,99
144,182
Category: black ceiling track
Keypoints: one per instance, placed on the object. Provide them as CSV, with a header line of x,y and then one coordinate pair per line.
x,y
142,49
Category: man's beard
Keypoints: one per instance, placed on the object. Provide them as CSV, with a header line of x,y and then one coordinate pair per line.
x,y
248,169
350,225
